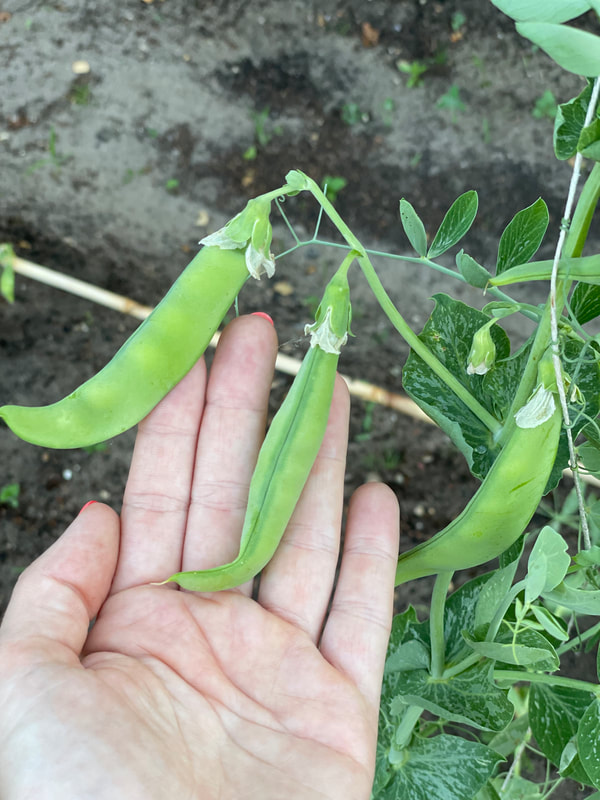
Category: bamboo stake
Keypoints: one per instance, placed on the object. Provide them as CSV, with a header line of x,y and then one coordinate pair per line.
x,y
286,364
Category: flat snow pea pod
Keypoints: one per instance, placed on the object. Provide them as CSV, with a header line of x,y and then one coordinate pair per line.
x,y
505,502
585,269
147,366
289,449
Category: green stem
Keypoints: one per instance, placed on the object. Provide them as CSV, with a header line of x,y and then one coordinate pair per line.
x,y
582,216
398,320
436,623
515,676
406,726
577,640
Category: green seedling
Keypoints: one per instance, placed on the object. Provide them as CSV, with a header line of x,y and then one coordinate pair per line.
x,y
333,185
545,106
56,160
7,273
9,495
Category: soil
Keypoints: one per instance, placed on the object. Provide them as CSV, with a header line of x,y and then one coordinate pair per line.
x,y
113,175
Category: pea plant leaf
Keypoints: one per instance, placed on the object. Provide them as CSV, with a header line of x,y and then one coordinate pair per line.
x,y
589,141
456,223
445,767
518,788
472,272
413,227
448,333
582,601
470,697
569,122
554,715
460,614
554,626
527,649
542,10
492,594
522,236
588,742
547,565
585,302
573,49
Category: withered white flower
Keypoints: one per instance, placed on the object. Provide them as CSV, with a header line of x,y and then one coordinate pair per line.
x,y
537,410
323,335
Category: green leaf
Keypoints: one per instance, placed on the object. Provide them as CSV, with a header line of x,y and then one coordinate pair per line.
x,y
444,767
471,697
589,141
448,333
542,10
9,495
548,564
472,272
459,615
528,649
506,742
519,788
569,122
588,742
413,227
455,224
585,302
554,714
552,625
573,49
522,236
410,655
580,600
492,594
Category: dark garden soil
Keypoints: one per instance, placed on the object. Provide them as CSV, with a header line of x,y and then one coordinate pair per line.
x,y
113,175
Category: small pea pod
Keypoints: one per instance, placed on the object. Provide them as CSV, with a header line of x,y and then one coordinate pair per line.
x,y
289,449
505,502
585,269
147,366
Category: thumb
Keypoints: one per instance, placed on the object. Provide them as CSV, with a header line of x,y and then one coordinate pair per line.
x,y
60,592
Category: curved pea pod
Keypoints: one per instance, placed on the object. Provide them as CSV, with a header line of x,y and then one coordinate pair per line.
x,y
505,502
585,269
289,449
147,366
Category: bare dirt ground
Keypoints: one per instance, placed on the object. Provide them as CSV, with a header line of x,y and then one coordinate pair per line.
x,y
113,175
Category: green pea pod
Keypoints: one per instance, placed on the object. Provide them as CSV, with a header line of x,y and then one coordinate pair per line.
x,y
585,269
289,449
505,502
147,366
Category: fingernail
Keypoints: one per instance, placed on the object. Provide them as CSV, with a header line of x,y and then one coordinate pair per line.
x,y
263,315
89,503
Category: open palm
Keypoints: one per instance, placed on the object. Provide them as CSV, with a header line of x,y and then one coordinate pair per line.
x,y
175,694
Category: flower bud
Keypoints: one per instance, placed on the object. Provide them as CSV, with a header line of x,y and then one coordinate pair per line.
x,y
483,351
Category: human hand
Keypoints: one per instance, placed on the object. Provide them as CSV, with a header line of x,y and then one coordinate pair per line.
x,y
202,696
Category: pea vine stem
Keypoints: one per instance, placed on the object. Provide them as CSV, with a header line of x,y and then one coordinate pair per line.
x,y
579,239
436,624
396,318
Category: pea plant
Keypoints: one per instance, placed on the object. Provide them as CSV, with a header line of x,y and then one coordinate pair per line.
x,y
471,694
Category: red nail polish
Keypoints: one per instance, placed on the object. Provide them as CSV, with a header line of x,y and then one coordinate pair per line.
x,y
263,315
89,503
